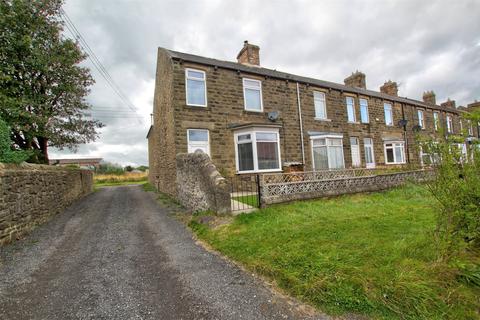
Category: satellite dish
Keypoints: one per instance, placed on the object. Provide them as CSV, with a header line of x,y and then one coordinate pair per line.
x,y
402,123
273,116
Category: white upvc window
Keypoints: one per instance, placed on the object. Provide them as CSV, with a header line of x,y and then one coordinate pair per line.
x,y
435,120
351,109
195,87
470,128
369,156
252,95
355,150
198,139
449,124
387,109
320,105
421,119
394,152
327,152
257,150
364,117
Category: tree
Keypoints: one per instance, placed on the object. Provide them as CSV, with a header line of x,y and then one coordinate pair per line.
x,y
129,168
42,86
7,153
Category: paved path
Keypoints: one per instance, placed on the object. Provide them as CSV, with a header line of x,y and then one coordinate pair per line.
x,y
117,254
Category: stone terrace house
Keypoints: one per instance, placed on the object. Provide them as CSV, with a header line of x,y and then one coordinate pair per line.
x,y
251,119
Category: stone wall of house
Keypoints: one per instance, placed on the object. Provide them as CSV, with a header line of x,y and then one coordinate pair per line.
x,y
200,186
310,189
161,138
32,194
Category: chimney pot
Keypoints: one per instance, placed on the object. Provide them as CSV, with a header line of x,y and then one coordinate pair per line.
x,y
390,87
429,97
249,54
356,79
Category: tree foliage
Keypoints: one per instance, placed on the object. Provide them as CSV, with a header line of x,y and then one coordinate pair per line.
x,y
7,153
457,188
42,86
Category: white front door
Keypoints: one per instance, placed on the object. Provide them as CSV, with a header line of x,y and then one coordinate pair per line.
x,y
369,157
356,162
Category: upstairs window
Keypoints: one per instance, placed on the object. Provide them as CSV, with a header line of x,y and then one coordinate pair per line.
x,y
351,109
198,139
470,128
387,108
435,121
252,95
394,152
449,124
257,151
196,88
364,110
320,105
421,119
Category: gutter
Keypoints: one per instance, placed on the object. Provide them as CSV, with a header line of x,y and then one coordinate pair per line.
x,y
301,124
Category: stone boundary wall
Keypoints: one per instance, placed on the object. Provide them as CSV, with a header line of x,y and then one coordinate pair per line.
x,y
301,190
200,186
31,194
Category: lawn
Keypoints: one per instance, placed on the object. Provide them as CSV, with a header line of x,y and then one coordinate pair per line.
x,y
370,254
251,200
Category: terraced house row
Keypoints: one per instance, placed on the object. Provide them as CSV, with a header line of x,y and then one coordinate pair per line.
x,y
251,119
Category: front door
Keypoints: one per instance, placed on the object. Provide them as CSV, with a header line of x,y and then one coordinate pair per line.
x,y
356,162
369,157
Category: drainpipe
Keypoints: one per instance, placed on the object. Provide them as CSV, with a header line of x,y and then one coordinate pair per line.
x,y
407,150
301,125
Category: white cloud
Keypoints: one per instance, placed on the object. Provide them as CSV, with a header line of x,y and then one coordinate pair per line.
x,y
422,45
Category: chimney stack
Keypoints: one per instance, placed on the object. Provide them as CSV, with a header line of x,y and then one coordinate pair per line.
x,y
474,105
356,79
249,55
390,87
449,104
429,98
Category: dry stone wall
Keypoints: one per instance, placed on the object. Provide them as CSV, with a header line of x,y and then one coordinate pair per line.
x,y
200,186
31,194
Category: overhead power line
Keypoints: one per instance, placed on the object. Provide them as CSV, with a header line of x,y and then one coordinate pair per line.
x,y
96,62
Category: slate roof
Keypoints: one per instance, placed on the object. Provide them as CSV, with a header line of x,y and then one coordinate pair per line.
x,y
295,78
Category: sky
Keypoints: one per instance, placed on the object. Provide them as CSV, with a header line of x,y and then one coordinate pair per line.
x,y
422,45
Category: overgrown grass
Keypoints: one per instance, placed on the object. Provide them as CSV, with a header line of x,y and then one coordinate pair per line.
x,y
371,254
123,179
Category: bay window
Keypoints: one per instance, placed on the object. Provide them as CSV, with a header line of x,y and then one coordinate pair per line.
x,y
394,152
252,95
257,150
195,88
327,152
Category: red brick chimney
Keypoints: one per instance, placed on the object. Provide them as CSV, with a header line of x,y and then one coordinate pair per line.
x,y
429,98
449,104
250,54
390,87
356,79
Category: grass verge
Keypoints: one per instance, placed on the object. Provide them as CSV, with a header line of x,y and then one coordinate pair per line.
x,y
370,254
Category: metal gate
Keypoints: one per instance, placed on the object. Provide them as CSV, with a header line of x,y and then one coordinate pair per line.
x,y
245,193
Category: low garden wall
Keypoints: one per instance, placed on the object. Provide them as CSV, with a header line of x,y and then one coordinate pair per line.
x,y
276,188
32,194
200,186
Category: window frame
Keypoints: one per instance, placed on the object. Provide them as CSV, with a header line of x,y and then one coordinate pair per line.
x,y
324,105
394,143
436,120
327,138
369,165
449,124
421,119
385,104
260,89
353,109
197,79
198,129
366,106
253,138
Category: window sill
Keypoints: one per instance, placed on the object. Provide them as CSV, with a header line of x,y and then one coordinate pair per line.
x,y
389,163
325,120
196,105
252,111
353,122
259,171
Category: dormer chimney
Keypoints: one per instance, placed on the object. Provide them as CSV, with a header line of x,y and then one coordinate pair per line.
x,y
356,79
249,55
390,87
429,98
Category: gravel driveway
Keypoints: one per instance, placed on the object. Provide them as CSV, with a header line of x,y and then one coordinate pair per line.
x,y
118,254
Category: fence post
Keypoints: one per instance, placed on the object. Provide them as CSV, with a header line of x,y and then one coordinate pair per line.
x,y
259,192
